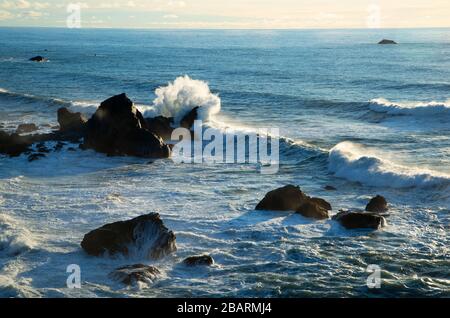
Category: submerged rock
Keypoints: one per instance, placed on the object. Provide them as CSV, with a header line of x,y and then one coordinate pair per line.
x,y
330,188
35,156
132,274
202,260
377,204
70,121
290,198
38,59
118,128
311,209
360,220
26,128
145,234
386,41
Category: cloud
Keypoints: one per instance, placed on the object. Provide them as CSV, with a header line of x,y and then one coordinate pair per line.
x,y
23,4
170,16
5,15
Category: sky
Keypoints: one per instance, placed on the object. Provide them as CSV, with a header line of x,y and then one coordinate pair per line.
x,y
227,14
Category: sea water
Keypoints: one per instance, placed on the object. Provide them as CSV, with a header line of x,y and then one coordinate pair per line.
x,y
367,119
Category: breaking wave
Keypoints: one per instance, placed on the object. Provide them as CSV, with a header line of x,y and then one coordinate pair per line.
x,y
355,163
381,105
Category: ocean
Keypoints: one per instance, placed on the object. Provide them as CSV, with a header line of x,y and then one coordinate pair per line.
x,y
364,118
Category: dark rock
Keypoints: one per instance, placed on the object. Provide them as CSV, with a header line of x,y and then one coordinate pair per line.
x,y
13,144
70,121
35,156
289,198
188,120
161,126
132,274
311,209
146,234
26,128
59,146
118,128
38,59
385,41
360,220
322,203
330,188
203,260
71,149
41,147
377,204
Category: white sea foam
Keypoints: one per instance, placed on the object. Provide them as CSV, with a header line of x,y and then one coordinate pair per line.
x,y
356,163
180,96
14,237
381,105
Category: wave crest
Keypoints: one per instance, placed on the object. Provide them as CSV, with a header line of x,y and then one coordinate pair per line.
x,y
382,105
352,162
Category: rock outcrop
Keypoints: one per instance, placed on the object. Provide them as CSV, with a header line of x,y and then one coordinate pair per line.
x,y
118,128
360,220
202,260
26,128
38,59
386,41
291,198
377,204
70,121
311,209
133,274
188,120
161,126
145,235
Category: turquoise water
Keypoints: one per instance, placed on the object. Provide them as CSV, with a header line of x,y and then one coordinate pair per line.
x,y
365,118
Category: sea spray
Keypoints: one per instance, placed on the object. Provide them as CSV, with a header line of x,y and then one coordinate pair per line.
x,y
182,95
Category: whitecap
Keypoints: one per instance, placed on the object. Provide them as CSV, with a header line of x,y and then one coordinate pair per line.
x,y
356,163
419,109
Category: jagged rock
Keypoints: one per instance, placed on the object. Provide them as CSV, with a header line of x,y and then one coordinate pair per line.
x,y
70,121
377,204
386,41
202,260
146,234
289,198
188,120
118,128
132,274
360,220
59,146
314,210
26,128
161,126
